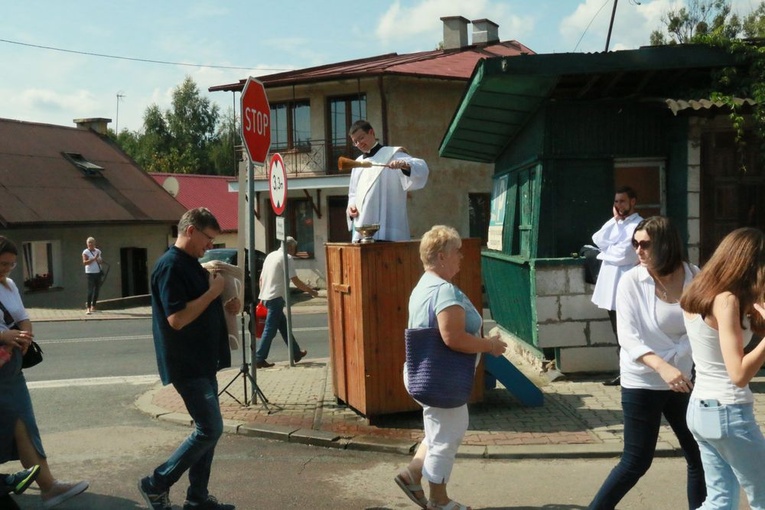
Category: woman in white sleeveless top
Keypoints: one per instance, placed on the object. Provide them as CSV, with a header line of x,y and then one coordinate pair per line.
x,y
729,289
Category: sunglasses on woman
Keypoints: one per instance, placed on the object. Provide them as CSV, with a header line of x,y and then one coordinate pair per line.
x,y
642,244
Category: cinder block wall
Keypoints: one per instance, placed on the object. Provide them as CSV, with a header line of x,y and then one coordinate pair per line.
x,y
567,320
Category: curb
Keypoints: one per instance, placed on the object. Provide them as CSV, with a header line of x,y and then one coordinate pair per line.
x,y
370,443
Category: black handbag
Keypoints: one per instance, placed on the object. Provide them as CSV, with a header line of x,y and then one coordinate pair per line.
x,y
34,354
591,263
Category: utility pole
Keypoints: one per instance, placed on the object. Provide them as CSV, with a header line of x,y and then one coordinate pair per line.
x,y
120,95
611,25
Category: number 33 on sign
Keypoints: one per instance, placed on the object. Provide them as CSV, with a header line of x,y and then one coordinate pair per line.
x,y
277,184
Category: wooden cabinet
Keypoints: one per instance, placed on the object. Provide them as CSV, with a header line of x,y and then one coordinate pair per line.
x,y
368,288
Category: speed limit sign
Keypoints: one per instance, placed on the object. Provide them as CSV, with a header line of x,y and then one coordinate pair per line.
x,y
277,184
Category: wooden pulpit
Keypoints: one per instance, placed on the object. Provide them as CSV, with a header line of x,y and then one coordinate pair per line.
x,y
368,289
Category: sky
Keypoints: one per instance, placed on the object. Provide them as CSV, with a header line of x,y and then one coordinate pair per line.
x,y
218,42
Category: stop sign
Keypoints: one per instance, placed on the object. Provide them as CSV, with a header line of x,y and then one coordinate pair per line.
x,y
256,121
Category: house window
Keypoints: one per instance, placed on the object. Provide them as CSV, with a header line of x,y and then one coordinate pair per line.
x,y
479,206
291,126
88,168
646,177
300,221
42,264
343,111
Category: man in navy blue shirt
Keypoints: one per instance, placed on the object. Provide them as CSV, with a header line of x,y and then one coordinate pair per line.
x,y
191,343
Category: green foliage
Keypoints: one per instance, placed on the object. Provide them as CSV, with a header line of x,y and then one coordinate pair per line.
x,y
754,23
699,19
711,22
222,154
190,137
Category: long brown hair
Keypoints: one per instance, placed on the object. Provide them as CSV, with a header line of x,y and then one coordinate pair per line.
x,y
737,266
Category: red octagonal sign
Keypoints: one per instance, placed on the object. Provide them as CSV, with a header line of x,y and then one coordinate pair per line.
x,y
256,121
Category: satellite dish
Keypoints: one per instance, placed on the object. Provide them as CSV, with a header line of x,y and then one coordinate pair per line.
x,y
172,186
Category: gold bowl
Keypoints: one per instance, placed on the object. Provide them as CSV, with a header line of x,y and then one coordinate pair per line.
x,y
367,231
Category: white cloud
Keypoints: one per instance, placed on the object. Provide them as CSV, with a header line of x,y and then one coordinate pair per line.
x,y
422,21
586,29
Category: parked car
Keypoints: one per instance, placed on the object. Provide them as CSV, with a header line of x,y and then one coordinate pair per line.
x,y
230,256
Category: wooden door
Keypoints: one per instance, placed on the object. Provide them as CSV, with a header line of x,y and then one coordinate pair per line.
x,y
732,188
338,225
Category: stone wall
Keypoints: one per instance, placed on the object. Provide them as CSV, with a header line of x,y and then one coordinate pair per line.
x,y
566,319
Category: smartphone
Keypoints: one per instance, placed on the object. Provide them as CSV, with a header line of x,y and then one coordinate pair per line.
x,y
710,403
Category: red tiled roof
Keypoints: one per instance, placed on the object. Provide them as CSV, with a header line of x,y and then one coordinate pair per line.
x,y
211,191
449,64
40,186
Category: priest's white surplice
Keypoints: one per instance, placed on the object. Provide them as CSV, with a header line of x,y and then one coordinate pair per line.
x,y
379,193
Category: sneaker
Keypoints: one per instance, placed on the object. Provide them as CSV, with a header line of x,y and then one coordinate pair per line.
x,y
155,500
62,491
209,504
19,482
87,312
301,354
263,364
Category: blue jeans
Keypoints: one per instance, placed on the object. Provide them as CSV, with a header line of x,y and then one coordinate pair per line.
x,y
643,409
196,452
275,320
732,449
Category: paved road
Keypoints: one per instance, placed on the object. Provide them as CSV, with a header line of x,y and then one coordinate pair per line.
x,y
125,348
91,429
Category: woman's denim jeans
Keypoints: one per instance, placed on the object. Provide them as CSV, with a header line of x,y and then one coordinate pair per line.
x,y
733,451
275,321
643,409
94,284
196,452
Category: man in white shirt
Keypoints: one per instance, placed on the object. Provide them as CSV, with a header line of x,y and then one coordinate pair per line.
x,y
614,240
272,292
377,195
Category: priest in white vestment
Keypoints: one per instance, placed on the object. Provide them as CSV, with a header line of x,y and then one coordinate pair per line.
x,y
377,195
614,240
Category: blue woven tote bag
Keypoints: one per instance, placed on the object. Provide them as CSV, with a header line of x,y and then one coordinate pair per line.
x,y
437,376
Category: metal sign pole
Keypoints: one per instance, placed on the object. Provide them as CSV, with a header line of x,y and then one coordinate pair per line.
x,y
251,265
287,303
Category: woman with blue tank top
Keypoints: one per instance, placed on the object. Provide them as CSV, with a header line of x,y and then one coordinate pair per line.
x,y
723,305
460,326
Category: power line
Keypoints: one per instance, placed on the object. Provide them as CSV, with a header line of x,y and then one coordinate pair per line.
x,y
133,59
590,23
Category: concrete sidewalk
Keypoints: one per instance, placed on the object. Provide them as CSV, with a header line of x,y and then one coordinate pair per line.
x,y
580,417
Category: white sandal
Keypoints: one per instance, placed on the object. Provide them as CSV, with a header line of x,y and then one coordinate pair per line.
x,y
451,505
410,488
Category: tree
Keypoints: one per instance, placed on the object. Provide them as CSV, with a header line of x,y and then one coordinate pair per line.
x,y
711,22
189,137
699,19
754,22
223,154
191,124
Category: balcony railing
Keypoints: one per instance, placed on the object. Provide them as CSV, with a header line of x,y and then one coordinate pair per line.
x,y
312,159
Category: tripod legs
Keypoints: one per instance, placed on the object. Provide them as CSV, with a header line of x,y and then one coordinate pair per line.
x,y
246,376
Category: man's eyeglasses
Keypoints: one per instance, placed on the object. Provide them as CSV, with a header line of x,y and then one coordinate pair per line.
x,y
359,138
641,244
8,265
209,238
